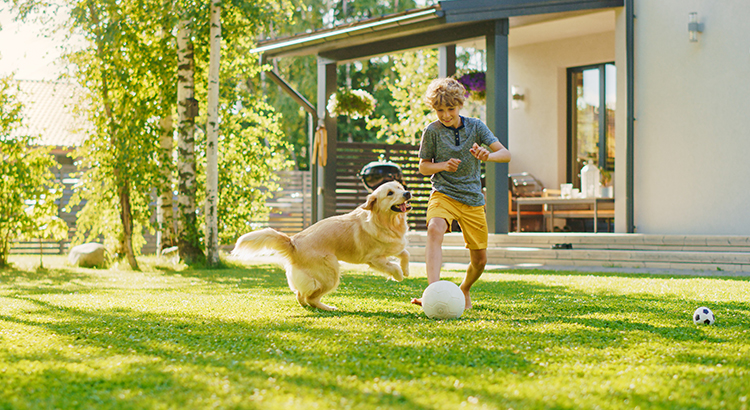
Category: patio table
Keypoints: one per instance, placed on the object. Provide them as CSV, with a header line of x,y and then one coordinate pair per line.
x,y
551,201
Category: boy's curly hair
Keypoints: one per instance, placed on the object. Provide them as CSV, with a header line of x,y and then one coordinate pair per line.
x,y
445,92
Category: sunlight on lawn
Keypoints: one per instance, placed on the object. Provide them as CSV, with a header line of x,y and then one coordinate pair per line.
x,y
173,337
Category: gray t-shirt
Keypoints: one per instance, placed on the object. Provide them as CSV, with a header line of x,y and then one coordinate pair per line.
x,y
441,143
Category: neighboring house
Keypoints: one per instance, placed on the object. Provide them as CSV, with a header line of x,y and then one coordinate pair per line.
x,y
50,114
49,111
658,100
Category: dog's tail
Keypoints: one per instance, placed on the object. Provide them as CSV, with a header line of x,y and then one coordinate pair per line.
x,y
254,243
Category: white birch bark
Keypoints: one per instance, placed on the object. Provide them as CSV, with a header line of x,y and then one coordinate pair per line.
x,y
187,234
165,235
212,135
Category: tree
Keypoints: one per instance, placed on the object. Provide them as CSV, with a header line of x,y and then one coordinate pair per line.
x,y
212,136
130,70
188,236
414,72
28,189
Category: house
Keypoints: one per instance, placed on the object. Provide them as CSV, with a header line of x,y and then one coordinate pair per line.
x,y
655,92
49,113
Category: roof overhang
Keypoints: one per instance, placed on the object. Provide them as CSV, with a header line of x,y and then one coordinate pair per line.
x,y
448,22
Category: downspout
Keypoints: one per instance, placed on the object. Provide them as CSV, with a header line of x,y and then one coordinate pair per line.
x,y
630,135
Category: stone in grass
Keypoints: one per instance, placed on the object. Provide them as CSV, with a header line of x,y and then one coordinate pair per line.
x,y
88,255
172,253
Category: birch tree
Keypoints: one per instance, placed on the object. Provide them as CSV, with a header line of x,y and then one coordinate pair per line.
x,y
188,236
212,134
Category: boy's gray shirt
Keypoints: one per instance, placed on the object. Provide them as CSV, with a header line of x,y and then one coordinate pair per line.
x,y
441,143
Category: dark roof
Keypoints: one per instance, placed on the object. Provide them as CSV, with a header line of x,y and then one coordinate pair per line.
x,y
448,22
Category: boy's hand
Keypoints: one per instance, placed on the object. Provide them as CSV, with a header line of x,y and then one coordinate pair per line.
x,y
479,153
452,164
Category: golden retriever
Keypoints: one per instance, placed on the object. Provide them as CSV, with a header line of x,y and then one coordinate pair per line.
x,y
370,234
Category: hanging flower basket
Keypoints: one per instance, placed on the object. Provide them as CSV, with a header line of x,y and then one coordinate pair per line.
x,y
475,83
352,103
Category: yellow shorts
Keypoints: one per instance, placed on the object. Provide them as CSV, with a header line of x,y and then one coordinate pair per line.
x,y
471,219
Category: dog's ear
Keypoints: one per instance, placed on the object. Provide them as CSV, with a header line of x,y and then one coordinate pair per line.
x,y
370,202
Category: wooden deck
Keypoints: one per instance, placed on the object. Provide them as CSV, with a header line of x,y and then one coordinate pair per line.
x,y
607,250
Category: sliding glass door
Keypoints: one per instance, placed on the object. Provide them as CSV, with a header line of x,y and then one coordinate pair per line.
x,y
591,119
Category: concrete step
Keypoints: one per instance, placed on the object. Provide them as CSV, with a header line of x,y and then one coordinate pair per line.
x,y
724,253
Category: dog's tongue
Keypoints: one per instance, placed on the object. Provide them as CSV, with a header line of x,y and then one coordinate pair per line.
x,y
405,207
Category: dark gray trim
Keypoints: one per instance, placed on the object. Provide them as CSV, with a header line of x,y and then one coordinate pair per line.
x,y
497,121
630,126
446,60
385,34
435,37
296,96
326,191
459,11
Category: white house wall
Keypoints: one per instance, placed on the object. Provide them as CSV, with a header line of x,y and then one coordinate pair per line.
x,y
537,130
692,132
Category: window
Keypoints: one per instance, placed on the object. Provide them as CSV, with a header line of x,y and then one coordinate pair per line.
x,y
591,124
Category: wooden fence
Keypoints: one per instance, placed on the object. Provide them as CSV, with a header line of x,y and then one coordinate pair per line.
x,y
350,192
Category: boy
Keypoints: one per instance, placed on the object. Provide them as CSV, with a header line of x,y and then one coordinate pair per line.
x,y
451,151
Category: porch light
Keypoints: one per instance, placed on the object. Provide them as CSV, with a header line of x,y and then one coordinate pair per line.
x,y
694,27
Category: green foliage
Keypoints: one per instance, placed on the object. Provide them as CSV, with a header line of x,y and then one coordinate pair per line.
x,y
236,338
28,188
413,73
301,72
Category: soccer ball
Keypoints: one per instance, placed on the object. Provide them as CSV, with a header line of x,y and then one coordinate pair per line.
x,y
443,300
703,316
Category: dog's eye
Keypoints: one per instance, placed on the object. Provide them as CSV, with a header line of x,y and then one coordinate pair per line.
x,y
390,193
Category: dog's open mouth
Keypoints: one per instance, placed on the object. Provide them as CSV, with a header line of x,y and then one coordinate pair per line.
x,y
404,207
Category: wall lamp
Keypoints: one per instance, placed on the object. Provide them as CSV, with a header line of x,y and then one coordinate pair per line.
x,y
694,27
516,97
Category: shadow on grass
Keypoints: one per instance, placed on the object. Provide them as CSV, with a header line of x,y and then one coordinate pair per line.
x,y
376,340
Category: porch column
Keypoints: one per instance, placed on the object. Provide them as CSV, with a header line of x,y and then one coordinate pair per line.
x,y
446,60
497,121
325,197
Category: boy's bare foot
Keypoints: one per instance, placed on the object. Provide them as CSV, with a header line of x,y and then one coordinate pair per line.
x,y
417,301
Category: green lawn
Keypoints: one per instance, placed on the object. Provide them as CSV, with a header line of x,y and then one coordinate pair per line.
x,y
170,337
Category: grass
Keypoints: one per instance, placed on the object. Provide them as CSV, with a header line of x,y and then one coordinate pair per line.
x,y
174,338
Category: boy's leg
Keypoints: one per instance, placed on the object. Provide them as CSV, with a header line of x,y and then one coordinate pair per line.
x,y
473,272
436,228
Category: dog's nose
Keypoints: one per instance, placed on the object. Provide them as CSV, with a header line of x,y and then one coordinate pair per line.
x,y
407,195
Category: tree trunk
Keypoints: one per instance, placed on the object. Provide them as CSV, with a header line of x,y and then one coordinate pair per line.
x,y
123,184
212,130
188,238
165,235
126,217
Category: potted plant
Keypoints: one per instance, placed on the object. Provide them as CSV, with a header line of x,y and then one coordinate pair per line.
x,y
607,190
352,103
475,83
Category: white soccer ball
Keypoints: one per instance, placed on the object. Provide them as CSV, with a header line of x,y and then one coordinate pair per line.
x,y
443,300
703,316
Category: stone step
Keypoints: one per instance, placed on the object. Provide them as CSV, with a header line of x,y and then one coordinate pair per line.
x,y
725,253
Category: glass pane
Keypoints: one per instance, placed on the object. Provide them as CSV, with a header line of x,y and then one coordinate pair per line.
x,y
610,73
587,117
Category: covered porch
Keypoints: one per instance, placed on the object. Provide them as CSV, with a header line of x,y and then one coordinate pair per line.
x,y
536,133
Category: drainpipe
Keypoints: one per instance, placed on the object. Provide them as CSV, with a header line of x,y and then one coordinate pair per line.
x,y
630,153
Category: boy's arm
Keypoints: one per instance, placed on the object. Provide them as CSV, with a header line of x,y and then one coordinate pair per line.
x,y
498,153
427,167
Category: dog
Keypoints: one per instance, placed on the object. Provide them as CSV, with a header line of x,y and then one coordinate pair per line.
x,y
371,234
